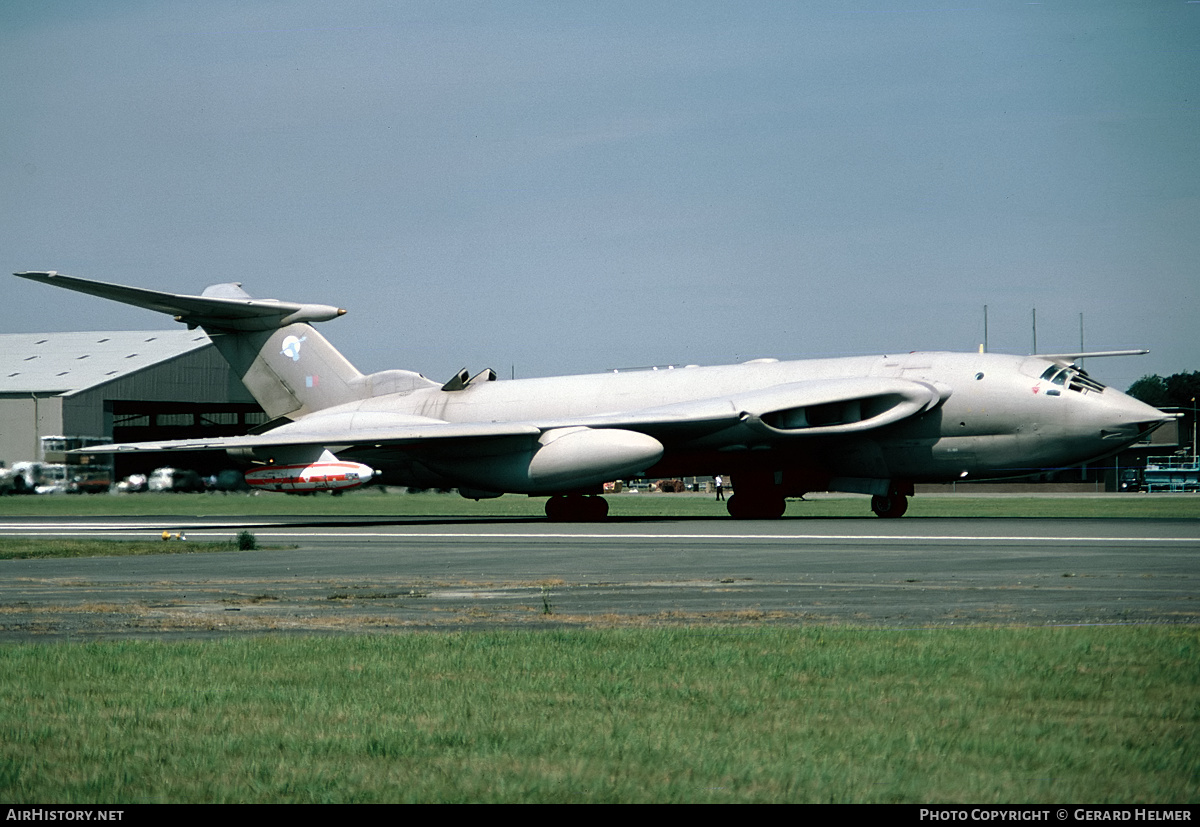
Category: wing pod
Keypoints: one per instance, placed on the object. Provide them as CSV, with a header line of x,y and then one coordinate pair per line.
x,y
567,455
562,459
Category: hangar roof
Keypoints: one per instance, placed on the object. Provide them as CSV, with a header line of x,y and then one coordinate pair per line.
x,y
54,363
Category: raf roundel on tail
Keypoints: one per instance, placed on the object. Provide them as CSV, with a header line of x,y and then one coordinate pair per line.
x,y
291,347
870,424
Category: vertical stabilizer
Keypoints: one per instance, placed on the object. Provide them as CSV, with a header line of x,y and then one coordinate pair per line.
x,y
291,371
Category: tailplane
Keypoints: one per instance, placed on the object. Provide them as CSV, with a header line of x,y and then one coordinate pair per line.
x,y
289,368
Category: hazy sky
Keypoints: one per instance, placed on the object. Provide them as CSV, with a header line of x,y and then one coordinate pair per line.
x,y
574,186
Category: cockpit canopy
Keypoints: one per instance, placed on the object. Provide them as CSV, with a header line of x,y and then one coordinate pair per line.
x,y
1072,378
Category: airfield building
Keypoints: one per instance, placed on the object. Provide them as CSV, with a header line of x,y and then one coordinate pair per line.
x,y
121,386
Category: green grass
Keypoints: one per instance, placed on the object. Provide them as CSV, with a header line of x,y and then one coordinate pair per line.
x,y
374,503
26,548
670,715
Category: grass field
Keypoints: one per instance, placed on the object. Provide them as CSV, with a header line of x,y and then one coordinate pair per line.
x,y
375,503
679,714
27,548
665,715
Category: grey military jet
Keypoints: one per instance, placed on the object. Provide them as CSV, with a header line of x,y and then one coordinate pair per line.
x,y
872,424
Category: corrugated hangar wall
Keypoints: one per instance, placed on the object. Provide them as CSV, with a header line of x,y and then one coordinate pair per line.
x,y
24,419
163,384
198,377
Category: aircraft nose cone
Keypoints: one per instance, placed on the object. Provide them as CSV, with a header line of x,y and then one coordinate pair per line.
x,y
1125,419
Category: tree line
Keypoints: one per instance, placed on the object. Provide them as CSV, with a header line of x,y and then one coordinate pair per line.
x,y
1179,390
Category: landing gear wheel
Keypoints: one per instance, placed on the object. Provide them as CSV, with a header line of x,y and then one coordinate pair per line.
x,y
891,505
598,509
556,509
764,507
576,508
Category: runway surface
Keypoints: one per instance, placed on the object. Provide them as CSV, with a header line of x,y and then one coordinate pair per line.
x,y
364,574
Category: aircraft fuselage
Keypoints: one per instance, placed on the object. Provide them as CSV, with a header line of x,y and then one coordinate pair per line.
x,y
874,424
999,417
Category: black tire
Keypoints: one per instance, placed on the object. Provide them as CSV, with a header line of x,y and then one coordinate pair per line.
x,y
763,507
575,508
597,509
891,505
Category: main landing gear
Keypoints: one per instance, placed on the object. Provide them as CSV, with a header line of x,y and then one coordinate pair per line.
x,y
889,505
760,496
755,506
576,508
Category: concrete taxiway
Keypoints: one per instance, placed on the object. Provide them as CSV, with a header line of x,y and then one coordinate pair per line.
x,y
362,574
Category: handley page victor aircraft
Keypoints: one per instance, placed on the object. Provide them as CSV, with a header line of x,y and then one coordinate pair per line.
x,y
872,424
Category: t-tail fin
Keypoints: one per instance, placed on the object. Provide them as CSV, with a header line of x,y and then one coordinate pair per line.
x,y
291,371
289,368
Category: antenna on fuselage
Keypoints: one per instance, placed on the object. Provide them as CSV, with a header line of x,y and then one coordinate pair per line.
x,y
1082,349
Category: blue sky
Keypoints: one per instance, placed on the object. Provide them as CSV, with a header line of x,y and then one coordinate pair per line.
x,y
564,187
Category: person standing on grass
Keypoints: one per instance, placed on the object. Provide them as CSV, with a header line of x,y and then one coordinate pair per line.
x,y
719,482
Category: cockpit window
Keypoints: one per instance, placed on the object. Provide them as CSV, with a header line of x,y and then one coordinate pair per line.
x,y
1075,379
1080,381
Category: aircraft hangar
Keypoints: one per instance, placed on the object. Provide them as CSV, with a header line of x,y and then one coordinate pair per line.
x,y
119,386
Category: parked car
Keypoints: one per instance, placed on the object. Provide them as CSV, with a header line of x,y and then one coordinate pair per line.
x,y
176,480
